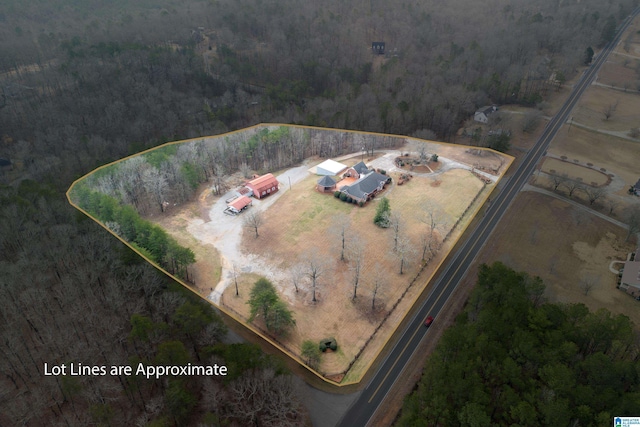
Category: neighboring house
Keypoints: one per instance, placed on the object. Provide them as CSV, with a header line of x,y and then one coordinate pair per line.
x,y
377,47
263,186
630,280
326,184
366,187
356,171
330,167
239,204
482,115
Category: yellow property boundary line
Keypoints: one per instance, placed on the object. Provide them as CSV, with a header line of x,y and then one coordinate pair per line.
x,y
509,158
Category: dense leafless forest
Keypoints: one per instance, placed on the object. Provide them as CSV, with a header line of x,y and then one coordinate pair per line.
x,y
87,82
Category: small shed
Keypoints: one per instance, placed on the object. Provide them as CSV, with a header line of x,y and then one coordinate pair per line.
x,y
330,167
326,184
263,186
239,204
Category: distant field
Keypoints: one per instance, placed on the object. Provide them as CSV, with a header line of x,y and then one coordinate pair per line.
x,y
563,245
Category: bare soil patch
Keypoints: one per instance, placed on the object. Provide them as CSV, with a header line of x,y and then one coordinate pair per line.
x,y
562,244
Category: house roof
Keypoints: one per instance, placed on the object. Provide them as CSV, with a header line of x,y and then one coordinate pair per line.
x,y
6,162
361,168
327,181
240,203
637,186
365,185
263,182
331,166
487,109
631,274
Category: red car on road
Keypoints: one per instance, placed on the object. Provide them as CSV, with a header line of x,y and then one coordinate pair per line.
x,y
428,321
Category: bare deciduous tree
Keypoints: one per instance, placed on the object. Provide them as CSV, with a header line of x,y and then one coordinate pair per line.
x,y
593,193
587,283
612,203
558,180
377,283
253,220
341,227
397,224
356,257
571,185
297,272
404,252
609,109
315,267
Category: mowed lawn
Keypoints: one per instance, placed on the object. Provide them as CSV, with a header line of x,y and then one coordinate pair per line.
x,y
302,222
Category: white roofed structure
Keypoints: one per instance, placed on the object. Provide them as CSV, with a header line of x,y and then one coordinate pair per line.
x,y
330,167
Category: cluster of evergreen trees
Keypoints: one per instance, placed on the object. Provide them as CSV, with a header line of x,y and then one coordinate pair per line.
x,y
149,239
265,301
513,359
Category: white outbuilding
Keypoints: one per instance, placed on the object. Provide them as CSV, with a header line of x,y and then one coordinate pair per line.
x,y
330,167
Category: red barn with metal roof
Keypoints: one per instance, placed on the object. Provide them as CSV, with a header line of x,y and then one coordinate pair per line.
x,y
263,185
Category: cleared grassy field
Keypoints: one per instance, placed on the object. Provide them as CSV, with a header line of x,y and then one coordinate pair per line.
x,y
301,222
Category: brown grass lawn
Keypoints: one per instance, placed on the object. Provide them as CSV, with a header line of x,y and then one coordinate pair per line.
x,y
619,71
597,98
573,171
545,237
301,222
618,155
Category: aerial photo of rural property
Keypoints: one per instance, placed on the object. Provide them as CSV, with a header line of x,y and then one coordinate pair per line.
x,y
344,213
347,243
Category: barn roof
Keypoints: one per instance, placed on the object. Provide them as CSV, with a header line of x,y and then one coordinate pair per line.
x,y
326,181
264,181
240,203
331,166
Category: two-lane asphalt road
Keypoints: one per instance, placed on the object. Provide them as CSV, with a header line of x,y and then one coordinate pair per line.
x,y
381,384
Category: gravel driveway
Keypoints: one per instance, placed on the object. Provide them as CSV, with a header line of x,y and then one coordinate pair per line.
x,y
225,233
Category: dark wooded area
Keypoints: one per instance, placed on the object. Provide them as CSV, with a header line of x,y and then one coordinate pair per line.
x,y
513,359
83,83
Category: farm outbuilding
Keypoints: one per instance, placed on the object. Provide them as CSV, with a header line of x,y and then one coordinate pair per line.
x,y
330,168
326,184
263,185
239,204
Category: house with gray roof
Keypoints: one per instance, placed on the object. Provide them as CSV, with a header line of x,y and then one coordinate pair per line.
x,y
366,187
356,171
